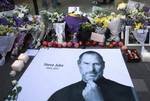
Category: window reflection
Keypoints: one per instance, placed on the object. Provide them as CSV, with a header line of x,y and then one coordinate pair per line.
x,y
29,3
6,5
62,5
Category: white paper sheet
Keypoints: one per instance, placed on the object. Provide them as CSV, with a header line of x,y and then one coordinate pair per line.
x,y
53,69
32,52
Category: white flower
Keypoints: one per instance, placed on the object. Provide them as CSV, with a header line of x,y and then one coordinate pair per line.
x,y
113,13
84,14
55,13
23,9
14,82
30,17
122,6
121,16
134,11
20,10
20,15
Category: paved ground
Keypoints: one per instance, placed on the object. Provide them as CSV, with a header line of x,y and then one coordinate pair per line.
x,y
139,72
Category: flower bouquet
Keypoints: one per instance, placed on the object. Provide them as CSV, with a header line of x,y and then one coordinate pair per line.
x,y
137,15
54,22
132,55
5,30
85,32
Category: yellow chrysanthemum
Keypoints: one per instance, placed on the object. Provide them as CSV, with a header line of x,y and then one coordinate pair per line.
x,y
110,17
97,20
138,26
72,14
104,20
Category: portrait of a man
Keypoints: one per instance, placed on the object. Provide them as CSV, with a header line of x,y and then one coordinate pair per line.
x,y
93,86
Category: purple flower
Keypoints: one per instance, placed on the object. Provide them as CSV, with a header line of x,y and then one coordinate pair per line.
x,y
18,21
4,21
146,23
20,38
146,9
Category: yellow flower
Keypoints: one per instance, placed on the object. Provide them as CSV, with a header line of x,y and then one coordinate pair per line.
x,y
97,20
104,20
110,18
72,14
138,26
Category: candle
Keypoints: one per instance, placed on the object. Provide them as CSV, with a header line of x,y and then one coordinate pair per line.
x,y
17,65
145,56
24,57
12,73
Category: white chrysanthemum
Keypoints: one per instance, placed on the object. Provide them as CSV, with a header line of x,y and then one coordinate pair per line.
x,y
122,6
14,82
113,13
121,16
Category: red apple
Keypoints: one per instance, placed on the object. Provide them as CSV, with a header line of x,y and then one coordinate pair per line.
x,y
124,48
110,46
87,43
80,43
50,44
120,44
64,44
55,44
59,45
69,44
94,43
76,45
114,43
44,43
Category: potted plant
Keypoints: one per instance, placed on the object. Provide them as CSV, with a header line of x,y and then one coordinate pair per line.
x,y
85,32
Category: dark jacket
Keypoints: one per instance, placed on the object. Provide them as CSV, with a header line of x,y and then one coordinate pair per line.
x,y
111,91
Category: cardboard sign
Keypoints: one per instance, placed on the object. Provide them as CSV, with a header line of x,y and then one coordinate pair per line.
x,y
97,37
73,9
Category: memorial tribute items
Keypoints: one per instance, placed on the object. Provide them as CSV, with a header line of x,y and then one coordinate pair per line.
x,y
132,55
24,57
17,65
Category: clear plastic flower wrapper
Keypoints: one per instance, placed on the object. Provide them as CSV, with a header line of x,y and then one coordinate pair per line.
x,y
6,44
140,36
115,30
60,31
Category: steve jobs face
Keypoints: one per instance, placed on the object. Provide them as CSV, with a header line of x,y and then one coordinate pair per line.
x,y
91,66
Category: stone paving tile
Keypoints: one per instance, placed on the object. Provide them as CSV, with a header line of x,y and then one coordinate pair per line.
x,y
147,81
140,85
147,66
144,96
138,71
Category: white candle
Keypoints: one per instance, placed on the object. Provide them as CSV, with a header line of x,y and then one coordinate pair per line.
x,y
24,57
17,65
145,56
12,73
